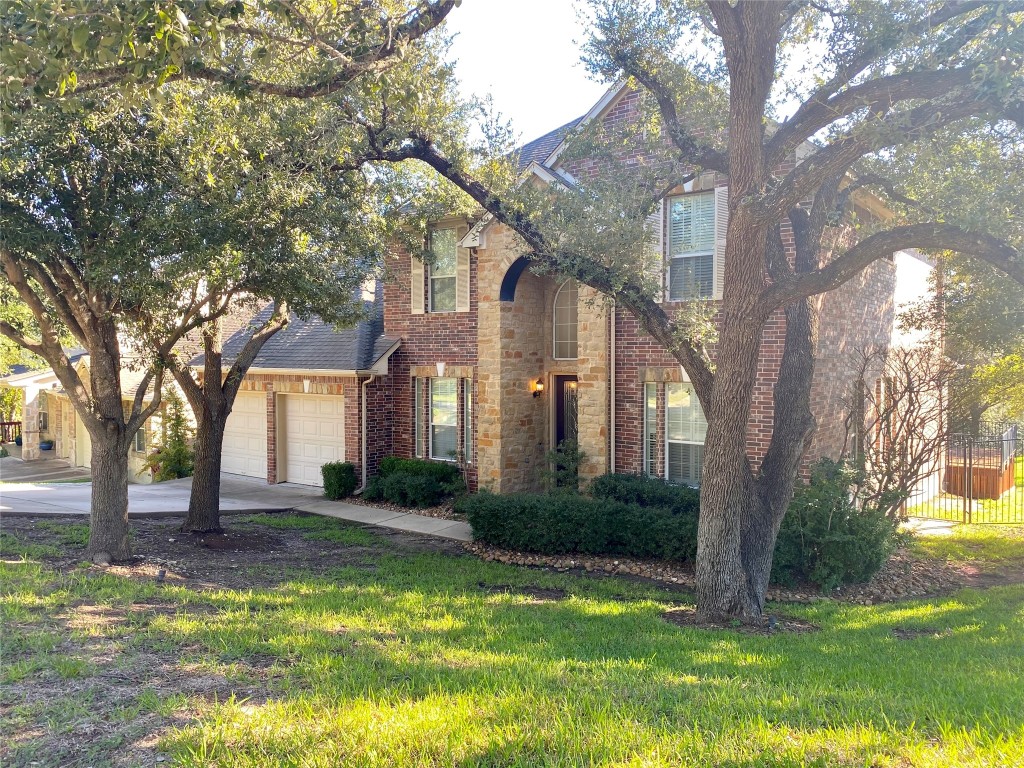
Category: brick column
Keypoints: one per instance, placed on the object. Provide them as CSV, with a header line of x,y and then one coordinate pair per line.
x,y
271,436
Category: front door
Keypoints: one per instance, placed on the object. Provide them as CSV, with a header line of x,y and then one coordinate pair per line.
x,y
566,409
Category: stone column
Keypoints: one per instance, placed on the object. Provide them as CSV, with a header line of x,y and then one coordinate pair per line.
x,y
592,367
30,424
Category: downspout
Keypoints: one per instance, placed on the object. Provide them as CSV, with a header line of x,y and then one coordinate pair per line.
x,y
611,430
366,383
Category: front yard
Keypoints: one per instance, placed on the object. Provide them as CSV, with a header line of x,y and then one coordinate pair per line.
x,y
306,642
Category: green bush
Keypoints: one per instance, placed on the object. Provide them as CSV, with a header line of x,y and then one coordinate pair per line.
x,y
174,456
445,477
339,479
412,490
442,471
646,492
825,538
566,524
374,490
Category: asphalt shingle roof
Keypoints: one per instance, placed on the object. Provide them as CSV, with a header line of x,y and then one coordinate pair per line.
x,y
538,150
315,345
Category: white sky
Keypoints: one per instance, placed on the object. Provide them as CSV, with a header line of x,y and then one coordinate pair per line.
x,y
525,54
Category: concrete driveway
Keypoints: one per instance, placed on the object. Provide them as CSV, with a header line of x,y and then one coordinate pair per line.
x,y
238,494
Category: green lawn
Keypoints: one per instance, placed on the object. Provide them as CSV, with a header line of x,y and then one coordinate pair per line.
x,y
405,661
1007,509
986,547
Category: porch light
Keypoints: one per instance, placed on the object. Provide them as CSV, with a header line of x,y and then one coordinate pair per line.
x,y
538,388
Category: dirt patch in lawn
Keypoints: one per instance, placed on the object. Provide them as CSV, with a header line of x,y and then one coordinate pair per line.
x,y
913,633
246,554
770,625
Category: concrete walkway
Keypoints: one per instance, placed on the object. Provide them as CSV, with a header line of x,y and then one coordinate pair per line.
x,y
238,495
45,469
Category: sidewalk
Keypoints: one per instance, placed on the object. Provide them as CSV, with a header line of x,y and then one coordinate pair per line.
x,y
238,495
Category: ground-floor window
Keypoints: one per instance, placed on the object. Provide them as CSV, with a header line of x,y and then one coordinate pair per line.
x,y
443,419
685,430
139,443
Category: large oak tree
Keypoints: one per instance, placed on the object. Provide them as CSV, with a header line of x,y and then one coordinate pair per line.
x,y
867,80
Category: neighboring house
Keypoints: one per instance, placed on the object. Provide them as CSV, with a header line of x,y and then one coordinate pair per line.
x,y
307,398
48,415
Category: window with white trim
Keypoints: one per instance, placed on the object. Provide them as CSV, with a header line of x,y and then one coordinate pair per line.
x,y
444,419
685,432
139,442
566,319
443,270
467,420
691,246
417,416
651,429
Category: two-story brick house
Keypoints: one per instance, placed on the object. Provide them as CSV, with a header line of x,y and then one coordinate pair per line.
x,y
493,366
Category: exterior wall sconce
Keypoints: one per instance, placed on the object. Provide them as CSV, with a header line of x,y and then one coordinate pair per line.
x,y
538,388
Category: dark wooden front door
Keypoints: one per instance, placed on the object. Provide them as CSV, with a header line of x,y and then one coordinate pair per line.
x,y
566,409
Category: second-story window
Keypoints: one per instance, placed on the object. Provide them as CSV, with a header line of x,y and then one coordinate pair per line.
x,y
691,247
443,247
566,321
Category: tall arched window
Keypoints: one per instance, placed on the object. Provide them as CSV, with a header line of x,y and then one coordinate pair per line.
x,y
566,301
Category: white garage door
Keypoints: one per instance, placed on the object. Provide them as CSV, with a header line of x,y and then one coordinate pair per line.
x,y
313,431
245,437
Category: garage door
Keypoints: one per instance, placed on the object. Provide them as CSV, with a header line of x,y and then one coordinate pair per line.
x,y
313,430
245,437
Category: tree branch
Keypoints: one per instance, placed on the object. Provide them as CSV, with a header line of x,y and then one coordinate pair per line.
x,y
930,236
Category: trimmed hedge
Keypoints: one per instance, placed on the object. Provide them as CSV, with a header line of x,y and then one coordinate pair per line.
x,y
443,472
614,523
414,482
339,479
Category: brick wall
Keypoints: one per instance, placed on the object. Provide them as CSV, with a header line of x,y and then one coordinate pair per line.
x,y
427,339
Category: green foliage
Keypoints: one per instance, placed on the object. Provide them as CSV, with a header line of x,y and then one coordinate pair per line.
x,y
825,538
627,515
564,462
174,456
442,471
3,452
412,490
339,479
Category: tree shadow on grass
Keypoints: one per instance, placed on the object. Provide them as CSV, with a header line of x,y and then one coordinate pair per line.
x,y
415,664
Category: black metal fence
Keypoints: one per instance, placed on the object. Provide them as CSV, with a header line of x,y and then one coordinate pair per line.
x,y
977,479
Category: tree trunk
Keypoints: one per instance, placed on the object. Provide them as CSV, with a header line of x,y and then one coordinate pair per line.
x,y
108,519
204,501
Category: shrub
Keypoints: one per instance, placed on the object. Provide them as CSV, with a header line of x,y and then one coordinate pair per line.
x,y
446,476
3,452
565,523
412,490
646,492
339,479
173,457
563,475
374,490
825,538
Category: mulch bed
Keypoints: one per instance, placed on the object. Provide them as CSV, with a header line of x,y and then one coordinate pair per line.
x,y
903,577
443,511
770,625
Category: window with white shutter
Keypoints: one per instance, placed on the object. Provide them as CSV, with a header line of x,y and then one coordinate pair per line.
x,y
685,432
443,279
692,247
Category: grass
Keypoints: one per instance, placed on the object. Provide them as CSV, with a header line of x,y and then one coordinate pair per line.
x,y
413,664
1007,509
316,528
986,547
